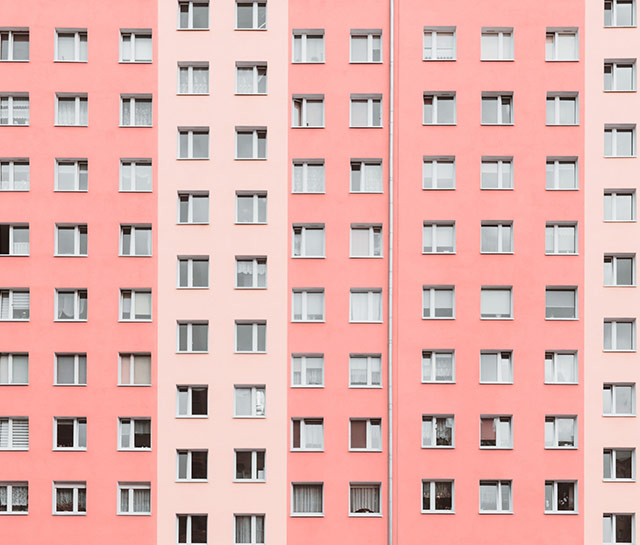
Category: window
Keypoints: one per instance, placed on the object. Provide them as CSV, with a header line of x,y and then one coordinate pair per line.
x,y
71,240
14,369
193,336
439,108
619,399
251,207
308,176
439,238
618,528
193,272
70,498
251,78
619,13
438,366
496,237
14,174
619,335
619,464
250,465
14,109
72,110
496,432
365,434
136,175
134,370
14,433
249,529
560,367
135,111
307,434
193,143
619,205
308,240
135,240
14,44
496,173
364,499
191,465
192,528
249,401
495,497
366,111
439,44
366,240
496,44
620,75
14,239
438,431
134,434
14,498
71,305
308,45
191,401
619,270
134,498
71,45
620,140
307,305
135,46
72,175
561,238
135,305
365,45
561,44
561,303
562,173
438,302
307,499
437,496
251,336
251,272
560,432
365,305
193,78
496,303
193,15
496,367
365,371
562,109
438,172
251,143
70,434
560,497
70,370
307,370
14,305
497,108
366,176
308,111
193,207
251,15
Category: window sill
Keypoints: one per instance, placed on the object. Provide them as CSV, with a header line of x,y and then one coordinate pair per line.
x,y
618,415
548,319
5,514
438,447
619,26
240,481
196,29
307,257
146,321
132,190
495,253
365,450
561,448
307,62
194,416
496,448
14,190
251,94
307,321
366,257
562,189
135,62
490,319
496,124
307,386
134,255
131,385
307,450
621,350
438,318
74,125
494,382
619,90
245,29
618,480
192,158
250,287
561,513
192,223
562,60
70,255
438,253
250,223
249,417
15,125
193,94
249,158
438,188
64,449
14,320
71,61
366,386
307,515
495,512
293,192
14,449
439,60
134,514
146,449
365,515
366,322
71,191
192,287
557,254
16,60
562,383
366,62
366,192
366,127
561,125
620,156
192,352
69,514
438,124
14,384
191,480
134,126
619,286
308,127
75,385
250,352
14,255
437,382
496,188
437,512
619,221
496,60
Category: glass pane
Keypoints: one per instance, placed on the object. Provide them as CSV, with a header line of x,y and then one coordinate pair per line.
x,y
359,48
489,110
200,15
66,46
489,46
244,147
200,145
200,273
244,15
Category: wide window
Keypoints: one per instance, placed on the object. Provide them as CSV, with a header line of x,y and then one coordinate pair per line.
x,y
14,305
620,75
193,272
438,366
308,176
193,15
561,238
308,111
365,371
251,207
560,497
496,237
438,237
365,46
70,370
308,240
251,78
193,336
562,173
439,44
71,45
134,498
366,111
560,432
619,140
307,305
308,46
366,176
193,143
365,434
14,109
249,402
135,305
496,303
136,175
14,433
619,13
307,370
365,305
14,498
364,499
497,108
191,529
72,110
193,78
619,464
70,498
251,336
72,175
71,240
439,108
496,173
619,399
14,174
561,44
251,142
70,433
438,431
366,240
496,367
619,335
134,434
191,465
135,111
562,109
251,15
191,401
134,370
560,367
619,205
14,239
496,44
495,497
251,272
618,528
307,499
307,434
135,240
193,207
71,305
437,496
249,529
135,46
438,172
561,303
250,465
619,270
14,44
438,302
14,369
496,432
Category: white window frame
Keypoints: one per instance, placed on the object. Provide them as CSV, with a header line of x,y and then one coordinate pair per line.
x,y
78,99
613,388
505,183
431,483
257,134
189,528
256,67
500,356
190,196
76,433
189,67
130,487
189,466
189,280
190,14
11,32
77,297
498,484
303,513
131,122
303,293
302,360
302,35
303,100
7,360
613,327
502,99
613,65
435,226
501,225
10,485
134,227
11,304
255,18
255,262
132,434
256,390
485,289
356,485
576,310
133,296
369,358
555,226
254,337
431,421
613,194
133,35
557,97
553,34
11,118
554,499
9,184
614,129
362,165
613,259
435,161
302,228
611,525
256,196
76,486
77,233
554,444
80,165
370,423
255,472
370,100
551,366
508,441
77,363
190,388
371,304
430,291
132,357
555,162
13,442
190,131
435,97
12,227
253,538
434,31
190,325
303,165
78,34
431,355
370,35
373,231
612,464
612,17
503,34
133,164
303,423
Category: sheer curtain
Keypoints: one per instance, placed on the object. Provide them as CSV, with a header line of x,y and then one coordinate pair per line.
x,y
143,112
313,434
142,433
200,80
359,306
358,369
307,498
372,178
315,48
365,499
244,80
243,529
141,501
142,370
314,370
64,499
66,111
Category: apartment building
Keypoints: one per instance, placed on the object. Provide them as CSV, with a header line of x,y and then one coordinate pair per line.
x,y
284,272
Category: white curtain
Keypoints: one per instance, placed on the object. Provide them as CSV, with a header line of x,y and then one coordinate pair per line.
x,y
19,498
359,306
245,80
315,178
143,48
488,497
315,306
313,431
21,304
444,369
315,113
314,370
143,305
307,498
4,433
358,370
142,370
360,242
66,111
3,498
315,48
200,80
359,110
141,501
243,529
20,110
372,177
365,499
143,112
64,499
4,305
314,242
260,401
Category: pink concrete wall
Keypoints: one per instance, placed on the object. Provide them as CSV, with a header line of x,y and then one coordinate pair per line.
x,y
529,141
103,208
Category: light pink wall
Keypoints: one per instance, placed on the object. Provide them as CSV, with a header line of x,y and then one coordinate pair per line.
x,y
529,77
221,304
606,173
103,208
